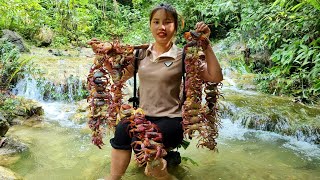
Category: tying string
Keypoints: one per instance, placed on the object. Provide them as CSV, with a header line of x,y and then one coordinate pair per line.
x,y
183,75
135,98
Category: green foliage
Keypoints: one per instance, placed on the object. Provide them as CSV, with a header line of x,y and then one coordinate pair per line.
x,y
286,3
185,144
287,31
265,27
25,17
220,15
77,21
73,21
11,65
296,71
238,63
10,104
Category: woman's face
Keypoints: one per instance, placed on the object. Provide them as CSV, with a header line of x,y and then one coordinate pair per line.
x,y
162,26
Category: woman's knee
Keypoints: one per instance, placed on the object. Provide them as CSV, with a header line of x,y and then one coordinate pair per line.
x,y
122,139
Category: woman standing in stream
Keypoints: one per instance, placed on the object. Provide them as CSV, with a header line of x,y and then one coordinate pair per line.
x,y
160,74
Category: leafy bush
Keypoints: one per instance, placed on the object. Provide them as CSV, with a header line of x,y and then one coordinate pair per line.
x,y
127,20
287,31
296,71
11,65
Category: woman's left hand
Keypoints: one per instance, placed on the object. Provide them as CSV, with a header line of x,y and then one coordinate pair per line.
x,y
202,27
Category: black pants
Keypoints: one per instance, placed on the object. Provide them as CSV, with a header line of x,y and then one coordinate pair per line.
x,y
171,129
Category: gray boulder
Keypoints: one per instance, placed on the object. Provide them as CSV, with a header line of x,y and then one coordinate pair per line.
x,y
12,146
14,38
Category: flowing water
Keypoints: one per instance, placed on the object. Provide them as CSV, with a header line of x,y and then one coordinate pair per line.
x,y
62,150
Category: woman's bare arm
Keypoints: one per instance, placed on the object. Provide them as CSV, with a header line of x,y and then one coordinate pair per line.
x,y
211,70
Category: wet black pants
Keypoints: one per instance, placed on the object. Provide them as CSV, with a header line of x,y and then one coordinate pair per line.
x,y
171,129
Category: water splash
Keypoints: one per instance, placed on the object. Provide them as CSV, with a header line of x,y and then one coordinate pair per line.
x,y
60,113
229,84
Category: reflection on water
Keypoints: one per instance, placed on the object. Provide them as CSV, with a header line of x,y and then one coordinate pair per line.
x,y
62,153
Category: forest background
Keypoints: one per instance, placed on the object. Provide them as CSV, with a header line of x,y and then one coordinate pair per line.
x,y
280,40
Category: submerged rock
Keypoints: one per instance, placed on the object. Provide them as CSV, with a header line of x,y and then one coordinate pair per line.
x,y
10,151
33,121
7,174
12,146
82,112
79,118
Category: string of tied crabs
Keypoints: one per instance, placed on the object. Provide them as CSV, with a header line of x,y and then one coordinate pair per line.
x,y
199,120
105,85
148,145
107,106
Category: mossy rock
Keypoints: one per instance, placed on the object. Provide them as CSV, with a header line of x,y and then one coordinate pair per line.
x,y
44,36
14,38
33,121
26,107
19,109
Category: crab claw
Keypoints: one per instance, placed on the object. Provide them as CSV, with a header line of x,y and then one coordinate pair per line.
x,y
195,34
164,162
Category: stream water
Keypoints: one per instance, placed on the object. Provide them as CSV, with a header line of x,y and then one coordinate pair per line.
x,y
62,150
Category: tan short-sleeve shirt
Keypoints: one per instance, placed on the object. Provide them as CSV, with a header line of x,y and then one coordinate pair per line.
x,y
160,81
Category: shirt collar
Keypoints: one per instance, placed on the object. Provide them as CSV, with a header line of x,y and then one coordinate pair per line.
x,y
172,53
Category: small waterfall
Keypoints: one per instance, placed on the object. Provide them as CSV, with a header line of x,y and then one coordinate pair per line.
x,y
54,99
230,84
70,89
28,87
308,134
44,90
79,88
